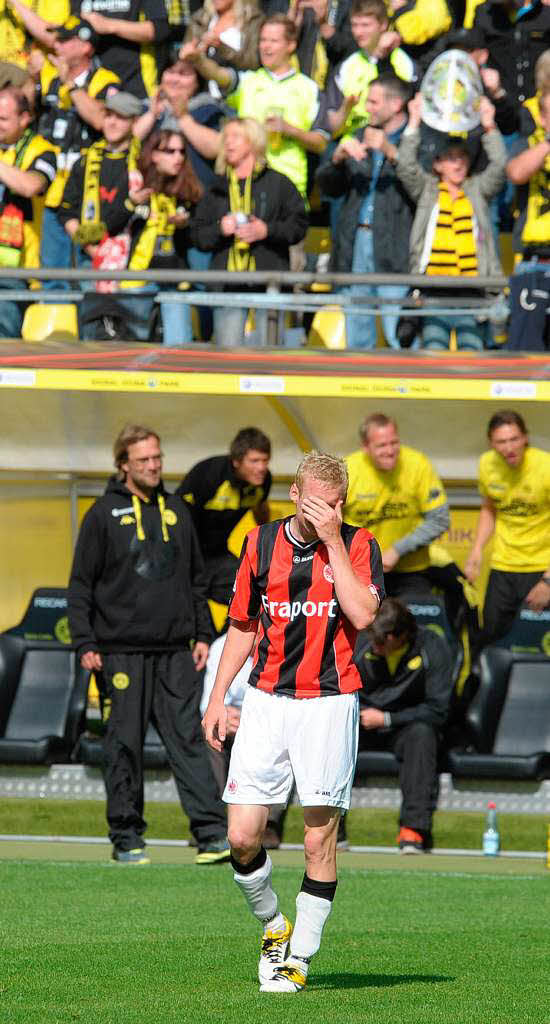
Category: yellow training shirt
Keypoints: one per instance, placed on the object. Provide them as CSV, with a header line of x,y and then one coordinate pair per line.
x,y
521,498
256,93
392,504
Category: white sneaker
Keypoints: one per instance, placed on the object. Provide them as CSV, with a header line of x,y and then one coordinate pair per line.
x,y
290,976
273,949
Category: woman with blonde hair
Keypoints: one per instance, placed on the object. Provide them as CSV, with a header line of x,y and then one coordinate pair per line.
x,y
228,32
247,219
529,110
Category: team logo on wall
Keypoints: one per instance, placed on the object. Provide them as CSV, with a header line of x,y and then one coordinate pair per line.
x,y
121,681
328,574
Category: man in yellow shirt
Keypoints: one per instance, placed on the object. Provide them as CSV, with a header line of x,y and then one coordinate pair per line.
x,y
277,95
395,491
514,481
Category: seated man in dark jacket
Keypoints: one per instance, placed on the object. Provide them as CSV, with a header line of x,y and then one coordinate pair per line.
x,y
247,219
375,221
407,684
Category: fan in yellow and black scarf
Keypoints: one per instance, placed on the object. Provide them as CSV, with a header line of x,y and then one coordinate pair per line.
x,y
452,234
96,206
247,219
71,90
163,203
450,248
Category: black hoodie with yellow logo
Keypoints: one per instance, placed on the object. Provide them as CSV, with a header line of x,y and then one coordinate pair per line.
x,y
136,581
415,687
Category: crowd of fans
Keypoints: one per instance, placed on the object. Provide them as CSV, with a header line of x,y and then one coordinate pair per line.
x,y
153,134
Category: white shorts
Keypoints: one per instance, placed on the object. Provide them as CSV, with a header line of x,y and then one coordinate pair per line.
x,y
312,741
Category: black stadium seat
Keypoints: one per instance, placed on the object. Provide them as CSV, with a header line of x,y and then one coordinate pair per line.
x,y
43,690
509,719
529,632
374,762
430,613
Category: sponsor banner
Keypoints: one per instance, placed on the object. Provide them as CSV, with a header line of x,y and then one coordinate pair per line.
x,y
523,389
302,384
17,378
264,385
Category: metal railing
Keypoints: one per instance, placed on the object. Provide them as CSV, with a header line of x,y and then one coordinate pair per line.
x,y
285,291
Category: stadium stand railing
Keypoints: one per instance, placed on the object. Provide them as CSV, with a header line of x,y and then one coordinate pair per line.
x,y
285,292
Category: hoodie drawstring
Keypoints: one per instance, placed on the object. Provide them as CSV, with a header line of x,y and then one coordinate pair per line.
x,y
139,524
162,510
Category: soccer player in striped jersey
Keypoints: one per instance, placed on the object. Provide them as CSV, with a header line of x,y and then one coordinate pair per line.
x,y
304,588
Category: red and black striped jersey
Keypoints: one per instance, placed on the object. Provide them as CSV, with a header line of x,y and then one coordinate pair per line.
x,y
306,643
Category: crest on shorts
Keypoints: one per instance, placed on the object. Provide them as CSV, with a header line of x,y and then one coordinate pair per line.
x,y
328,573
121,681
232,786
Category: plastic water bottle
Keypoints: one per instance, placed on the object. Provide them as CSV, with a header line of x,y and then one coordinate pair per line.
x,y
491,838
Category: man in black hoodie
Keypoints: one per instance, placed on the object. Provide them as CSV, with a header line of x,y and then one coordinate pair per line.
x,y
139,619
407,684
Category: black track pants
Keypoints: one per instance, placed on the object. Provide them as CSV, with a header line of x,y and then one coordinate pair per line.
x,y
164,688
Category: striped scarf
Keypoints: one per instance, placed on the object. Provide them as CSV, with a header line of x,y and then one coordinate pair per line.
x,y
240,258
453,250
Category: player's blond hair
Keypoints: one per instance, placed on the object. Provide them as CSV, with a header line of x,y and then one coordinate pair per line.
x,y
328,469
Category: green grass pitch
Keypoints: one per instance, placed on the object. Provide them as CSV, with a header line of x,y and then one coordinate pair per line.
x,y
410,941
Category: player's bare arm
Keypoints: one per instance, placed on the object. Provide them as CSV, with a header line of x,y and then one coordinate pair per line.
x,y
356,600
239,644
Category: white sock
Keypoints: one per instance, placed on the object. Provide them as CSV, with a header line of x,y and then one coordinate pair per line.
x,y
311,915
257,891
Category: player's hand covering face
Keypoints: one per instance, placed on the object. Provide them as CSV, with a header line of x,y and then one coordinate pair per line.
x,y
325,518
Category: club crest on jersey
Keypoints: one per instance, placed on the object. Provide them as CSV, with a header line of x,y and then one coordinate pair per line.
x,y
328,573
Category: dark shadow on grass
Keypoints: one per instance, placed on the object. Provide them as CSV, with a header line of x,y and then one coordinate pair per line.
x,y
350,980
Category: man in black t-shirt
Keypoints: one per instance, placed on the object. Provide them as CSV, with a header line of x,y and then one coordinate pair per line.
x,y
219,491
132,34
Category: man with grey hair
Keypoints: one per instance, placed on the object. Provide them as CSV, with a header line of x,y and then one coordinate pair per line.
x,y
139,619
395,491
305,586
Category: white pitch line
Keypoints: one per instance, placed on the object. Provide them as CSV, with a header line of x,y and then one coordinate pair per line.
x,y
102,841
